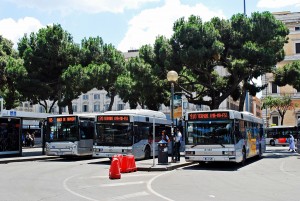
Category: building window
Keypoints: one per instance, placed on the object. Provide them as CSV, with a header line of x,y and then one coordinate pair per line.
x,y
106,107
96,108
297,48
185,105
85,108
274,88
85,97
74,107
120,106
275,120
63,109
96,96
42,109
297,28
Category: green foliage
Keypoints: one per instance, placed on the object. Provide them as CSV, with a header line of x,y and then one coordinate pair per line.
x,y
50,50
240,45
11,73
280,104
289,74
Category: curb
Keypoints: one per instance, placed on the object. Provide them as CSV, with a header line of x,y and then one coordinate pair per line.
x,y
167,168
21,159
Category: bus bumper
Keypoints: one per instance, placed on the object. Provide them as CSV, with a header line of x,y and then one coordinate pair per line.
x,y
210,159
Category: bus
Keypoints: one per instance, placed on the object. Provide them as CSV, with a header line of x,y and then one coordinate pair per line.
x,y
279,135
223,135
129,132
70,135
10,136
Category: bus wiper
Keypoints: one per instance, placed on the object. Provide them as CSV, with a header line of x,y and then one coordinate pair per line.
x,y
193,145
221,144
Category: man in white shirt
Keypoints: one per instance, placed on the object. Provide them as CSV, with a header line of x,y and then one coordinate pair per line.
x,y
178,137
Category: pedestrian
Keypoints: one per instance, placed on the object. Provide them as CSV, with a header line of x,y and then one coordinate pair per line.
x,y
27,140
292,144
178,137
164,136
32,139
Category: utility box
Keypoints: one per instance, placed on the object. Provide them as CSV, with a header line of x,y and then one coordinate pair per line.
x,y
162,152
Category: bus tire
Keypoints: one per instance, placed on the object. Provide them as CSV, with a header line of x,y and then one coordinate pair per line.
x,y
244,157
272,143
147,152
259,152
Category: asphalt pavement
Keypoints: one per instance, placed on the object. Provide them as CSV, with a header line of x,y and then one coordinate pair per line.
x,y
36,153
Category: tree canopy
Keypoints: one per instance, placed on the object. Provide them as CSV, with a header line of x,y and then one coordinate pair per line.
x,y
245,47
47,54
288,74
280,104
11,72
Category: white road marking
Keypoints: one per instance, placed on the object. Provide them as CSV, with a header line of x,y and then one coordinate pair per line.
x,y
122,175
154,192
283,170
129,196
74,193
122,184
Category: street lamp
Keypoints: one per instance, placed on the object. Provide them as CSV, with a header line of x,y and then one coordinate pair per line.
x,y
1,105
172,77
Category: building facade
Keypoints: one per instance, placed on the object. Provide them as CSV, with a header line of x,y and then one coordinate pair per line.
x,y
292,51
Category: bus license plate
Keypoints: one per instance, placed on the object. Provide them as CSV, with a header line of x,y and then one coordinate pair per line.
x,y
208,159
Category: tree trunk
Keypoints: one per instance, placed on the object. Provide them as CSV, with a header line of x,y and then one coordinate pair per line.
x,y
242,99
70,108
112,98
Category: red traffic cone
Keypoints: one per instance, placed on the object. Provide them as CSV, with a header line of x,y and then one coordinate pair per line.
x,y
124,165
114,170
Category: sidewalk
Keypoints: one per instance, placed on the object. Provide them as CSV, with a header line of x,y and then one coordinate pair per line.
x,y
35,153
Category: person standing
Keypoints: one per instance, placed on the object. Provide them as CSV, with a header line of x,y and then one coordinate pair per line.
x,y
178,137
164,136
292,144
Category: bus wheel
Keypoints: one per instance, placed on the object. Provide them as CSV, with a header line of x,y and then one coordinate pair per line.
x,y
272,143
244,157
259,152
147,153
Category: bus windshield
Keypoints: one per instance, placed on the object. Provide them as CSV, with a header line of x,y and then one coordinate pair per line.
x,y
210,132
62,131
118,134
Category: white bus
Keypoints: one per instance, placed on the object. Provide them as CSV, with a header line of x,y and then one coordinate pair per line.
x,y
70,135
280,135
129,132
223,135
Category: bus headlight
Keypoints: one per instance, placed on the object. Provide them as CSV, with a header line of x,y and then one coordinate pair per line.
x,y
230,153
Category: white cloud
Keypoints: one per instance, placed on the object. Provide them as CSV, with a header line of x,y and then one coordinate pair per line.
x,y
277,3
145,27
88,6
13,30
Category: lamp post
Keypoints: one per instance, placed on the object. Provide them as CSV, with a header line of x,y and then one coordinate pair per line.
x,y
172,77
1,105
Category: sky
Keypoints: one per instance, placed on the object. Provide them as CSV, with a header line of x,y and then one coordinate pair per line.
x,y
126,24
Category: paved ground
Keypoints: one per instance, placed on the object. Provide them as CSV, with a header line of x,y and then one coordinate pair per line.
x,y
36,153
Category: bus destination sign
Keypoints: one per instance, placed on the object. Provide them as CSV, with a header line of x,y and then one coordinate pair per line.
x,y
62,119
113,118
208,115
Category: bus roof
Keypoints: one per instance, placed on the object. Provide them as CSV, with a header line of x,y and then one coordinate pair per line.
x,y
139,112
282,126
79,115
